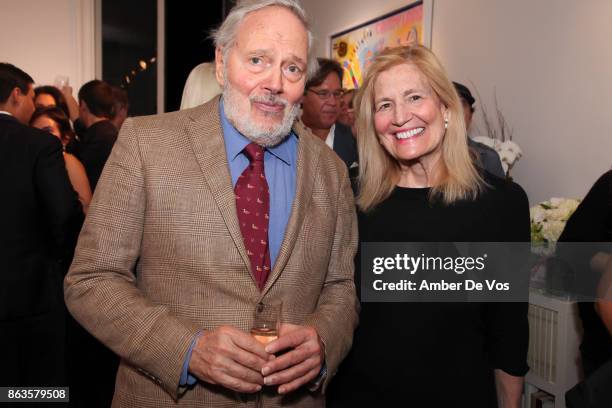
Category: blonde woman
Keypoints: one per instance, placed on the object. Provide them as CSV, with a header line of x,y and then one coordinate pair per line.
x,y
418,183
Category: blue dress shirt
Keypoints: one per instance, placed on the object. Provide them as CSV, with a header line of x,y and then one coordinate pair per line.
x,y
280,167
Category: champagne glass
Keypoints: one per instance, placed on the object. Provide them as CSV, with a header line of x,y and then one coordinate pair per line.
x,y
266,323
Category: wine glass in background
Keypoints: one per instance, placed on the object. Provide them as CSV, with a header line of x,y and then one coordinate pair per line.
x,y
266,323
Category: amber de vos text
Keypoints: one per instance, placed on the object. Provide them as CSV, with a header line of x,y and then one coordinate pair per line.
x,y
412,265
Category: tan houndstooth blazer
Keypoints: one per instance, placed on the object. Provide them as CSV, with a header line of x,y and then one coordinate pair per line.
x,y
161,257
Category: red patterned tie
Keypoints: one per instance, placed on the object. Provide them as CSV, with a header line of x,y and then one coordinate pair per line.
x,y
253,204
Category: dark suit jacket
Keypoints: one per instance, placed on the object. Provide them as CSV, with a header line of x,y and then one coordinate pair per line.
x,y
488,158
95,147
39,212
344,145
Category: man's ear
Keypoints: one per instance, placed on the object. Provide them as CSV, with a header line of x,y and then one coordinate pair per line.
x,y
12,102
14,96
83,107
219,72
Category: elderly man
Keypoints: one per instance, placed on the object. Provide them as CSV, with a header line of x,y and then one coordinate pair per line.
x,y
321,108
203,214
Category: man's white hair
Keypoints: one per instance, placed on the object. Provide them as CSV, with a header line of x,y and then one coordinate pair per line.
x,y
225,36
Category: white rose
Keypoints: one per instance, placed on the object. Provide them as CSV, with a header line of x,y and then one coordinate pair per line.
x,y
537,214
497,145
557,214
556,201
552,230
569,205
509,157
510,145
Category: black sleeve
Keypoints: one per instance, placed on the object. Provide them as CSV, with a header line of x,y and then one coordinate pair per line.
x,y
59,200
506,324
591,222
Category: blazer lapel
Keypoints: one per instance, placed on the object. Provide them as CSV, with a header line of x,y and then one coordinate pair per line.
x,y
307,162
206,136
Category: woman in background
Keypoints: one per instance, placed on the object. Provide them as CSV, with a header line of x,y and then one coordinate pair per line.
x,y
592,222
53,120
585,246
48,96
418,183
201,86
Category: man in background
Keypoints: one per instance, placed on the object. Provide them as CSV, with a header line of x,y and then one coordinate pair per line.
x,y
122,106
39,218
321,108
488,158
96,109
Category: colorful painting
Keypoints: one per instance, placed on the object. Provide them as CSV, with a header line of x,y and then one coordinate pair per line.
x,y
355,48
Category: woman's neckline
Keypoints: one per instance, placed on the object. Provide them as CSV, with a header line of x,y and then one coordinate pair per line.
x,y
412,191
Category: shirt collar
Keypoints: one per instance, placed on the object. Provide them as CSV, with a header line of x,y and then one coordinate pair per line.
x,y
329,140
235,142
5,113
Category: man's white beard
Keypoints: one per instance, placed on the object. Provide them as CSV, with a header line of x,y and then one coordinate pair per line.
x,y
266,136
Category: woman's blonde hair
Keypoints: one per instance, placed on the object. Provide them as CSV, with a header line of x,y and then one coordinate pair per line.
x,y
201,86
379,172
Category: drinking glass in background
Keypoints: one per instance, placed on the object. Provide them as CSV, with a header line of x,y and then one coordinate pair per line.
x,y
61,81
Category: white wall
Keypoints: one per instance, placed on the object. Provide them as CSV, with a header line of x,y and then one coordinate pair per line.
x,y
49,38
549,62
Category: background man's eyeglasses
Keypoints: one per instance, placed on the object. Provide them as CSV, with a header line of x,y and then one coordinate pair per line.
x,y
325,94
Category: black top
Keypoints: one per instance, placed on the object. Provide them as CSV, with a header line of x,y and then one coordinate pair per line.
x,y
39,219
437,354
95,147
592,222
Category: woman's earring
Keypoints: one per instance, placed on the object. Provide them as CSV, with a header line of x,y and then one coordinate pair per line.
x,y
445,123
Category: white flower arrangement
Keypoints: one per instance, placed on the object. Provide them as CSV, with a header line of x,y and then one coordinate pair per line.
x,y
548,219
509,152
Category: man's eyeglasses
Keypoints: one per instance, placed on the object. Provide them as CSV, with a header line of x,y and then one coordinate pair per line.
x,y
325,93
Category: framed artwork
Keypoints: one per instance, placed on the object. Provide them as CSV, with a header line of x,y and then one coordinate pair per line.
x,y
354,48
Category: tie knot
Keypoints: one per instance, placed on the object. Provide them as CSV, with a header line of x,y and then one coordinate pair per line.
x,y
254,152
